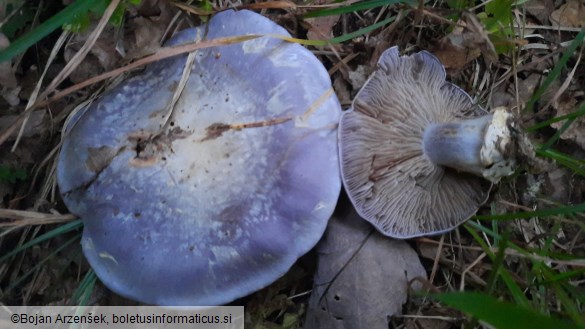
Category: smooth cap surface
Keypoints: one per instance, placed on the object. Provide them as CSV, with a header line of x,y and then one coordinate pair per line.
x,y
202,213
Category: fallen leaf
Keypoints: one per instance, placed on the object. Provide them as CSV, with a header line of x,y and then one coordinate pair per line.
x,y
513,94
321,28
559,185
576,132
101,58
540,9
37,124
467,42
358,77
571,14
142,36
452,51
147,31
362,277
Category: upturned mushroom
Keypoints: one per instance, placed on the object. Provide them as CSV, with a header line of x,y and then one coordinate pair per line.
x,y
216,196
418,156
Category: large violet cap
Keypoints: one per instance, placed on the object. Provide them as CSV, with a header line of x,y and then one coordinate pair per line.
x,y
222,199
416,152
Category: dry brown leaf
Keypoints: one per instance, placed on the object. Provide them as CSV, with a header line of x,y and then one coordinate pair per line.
x,y
558,185
452,52
102,56
36,124
465,44
146,32
146,38
362,277
321,28
508,96
148,8
576,132
571,14
540,9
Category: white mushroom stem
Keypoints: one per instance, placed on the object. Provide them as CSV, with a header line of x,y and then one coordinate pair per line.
x,y
482,146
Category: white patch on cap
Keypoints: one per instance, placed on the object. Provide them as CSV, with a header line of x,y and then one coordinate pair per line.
x,y
255,45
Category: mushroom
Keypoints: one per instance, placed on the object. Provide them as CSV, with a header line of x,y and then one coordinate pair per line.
x,y
418,157
218,196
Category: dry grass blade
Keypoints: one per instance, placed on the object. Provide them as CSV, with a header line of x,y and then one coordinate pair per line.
x,y
184,78
330,5
218,129
75,61
33,97
191,9
565,84
316,104
469,268
511,252
436,260
282,4
82,53
161,54
341,63
24,218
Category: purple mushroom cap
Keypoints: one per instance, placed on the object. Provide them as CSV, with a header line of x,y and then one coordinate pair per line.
x,y
222,199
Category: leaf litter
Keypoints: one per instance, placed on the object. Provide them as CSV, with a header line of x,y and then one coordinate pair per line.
x,y
363,278
477,58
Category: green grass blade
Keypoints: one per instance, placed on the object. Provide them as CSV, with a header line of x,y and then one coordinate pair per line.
x,y
84,290
498,264
363,5
500,314
556,71
561,293
12,175
577,166
574,115
41,263
470,225
362,31
342,38
565,276
557,134
49,235
559,211
515,291
63,17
